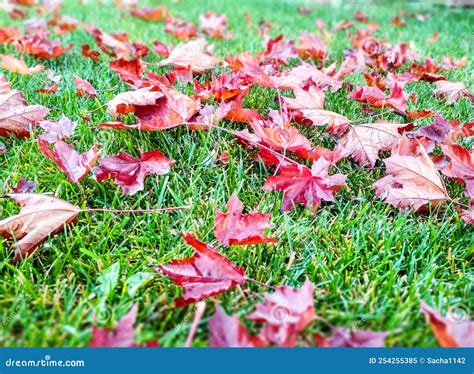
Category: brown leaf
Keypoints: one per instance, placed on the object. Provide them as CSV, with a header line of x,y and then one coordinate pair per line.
x,y
40,216
412,180
191,55
16,65
364,142
16,116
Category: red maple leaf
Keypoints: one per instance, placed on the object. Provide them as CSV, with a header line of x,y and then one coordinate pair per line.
x,y
235,228
375,97
285,313
180,28
203,275
341,338
84,88
122,336
228,331
74,164
451,332
130,173
303,185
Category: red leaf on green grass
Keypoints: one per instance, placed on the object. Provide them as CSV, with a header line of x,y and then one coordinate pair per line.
x,y
312,47
156,108
451,332
90,53
60,130
16,116
462,163
84,88
129,172
364,142
228,331
128,70
122,336
16,65
41,47
191,55
214,25
307,186
341,338
74,164
377,99
276,133
180,28
235,228
150,14
451,91
239,114
203,275
285,313
437,131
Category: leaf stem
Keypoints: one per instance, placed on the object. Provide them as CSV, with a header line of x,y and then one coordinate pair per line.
x,y
102,210
278,154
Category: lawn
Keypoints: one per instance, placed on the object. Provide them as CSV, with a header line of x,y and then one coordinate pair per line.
x,y
370,263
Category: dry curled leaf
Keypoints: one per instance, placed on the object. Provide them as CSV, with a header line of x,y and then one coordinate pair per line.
x,y
40,216
412,180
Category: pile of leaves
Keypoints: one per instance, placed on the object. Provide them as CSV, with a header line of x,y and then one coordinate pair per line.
x,y
417,159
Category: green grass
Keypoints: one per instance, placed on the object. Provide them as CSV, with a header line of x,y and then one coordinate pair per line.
x,y
370,263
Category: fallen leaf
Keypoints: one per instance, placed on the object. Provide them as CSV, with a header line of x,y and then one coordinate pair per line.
x,y
130,173
214,25
307,186
227,331
16,65
150,14
84,88
156,108
452,332
452,91
180,28
40,217
341,338
285,313
60,130
16,116
191,55
235,228
437,131
122,336
364,142
74,164
412,180
203,275
377,99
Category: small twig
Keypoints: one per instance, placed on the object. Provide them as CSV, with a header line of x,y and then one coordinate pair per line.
x,y
278,154
102,210
200,308
259,283
96,109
